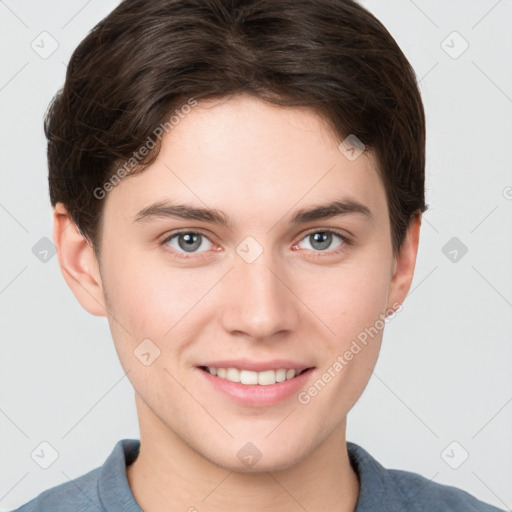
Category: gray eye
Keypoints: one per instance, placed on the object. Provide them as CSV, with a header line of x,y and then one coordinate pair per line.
x,y
322,240
189,242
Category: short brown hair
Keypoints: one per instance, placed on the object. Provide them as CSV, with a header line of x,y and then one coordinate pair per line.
x,y
146,59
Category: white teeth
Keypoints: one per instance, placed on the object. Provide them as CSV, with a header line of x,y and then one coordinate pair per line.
x,y
233,374
264,378
248,377
267,377
290,374
280,375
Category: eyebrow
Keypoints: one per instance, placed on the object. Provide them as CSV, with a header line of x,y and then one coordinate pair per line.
x,y
164,209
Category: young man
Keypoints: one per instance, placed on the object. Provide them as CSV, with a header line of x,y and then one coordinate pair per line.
x,y
238,187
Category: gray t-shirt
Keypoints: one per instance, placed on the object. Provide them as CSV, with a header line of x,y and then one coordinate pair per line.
x,y
106,489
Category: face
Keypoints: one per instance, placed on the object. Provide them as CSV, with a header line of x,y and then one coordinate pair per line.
x,y
258,287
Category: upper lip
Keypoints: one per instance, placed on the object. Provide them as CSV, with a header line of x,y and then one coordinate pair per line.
x,y
255,366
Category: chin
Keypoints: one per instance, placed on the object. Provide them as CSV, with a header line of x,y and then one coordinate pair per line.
x,y
249,458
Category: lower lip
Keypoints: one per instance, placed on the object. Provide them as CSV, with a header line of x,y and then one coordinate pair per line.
x,y
255,395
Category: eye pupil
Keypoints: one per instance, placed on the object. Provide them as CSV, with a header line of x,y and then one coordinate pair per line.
x,y
191,241
323,238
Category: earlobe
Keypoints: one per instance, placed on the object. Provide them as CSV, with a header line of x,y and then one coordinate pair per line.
x,y
404,264
78,262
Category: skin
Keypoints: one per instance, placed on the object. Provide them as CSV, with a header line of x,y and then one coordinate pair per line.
x,y
259,164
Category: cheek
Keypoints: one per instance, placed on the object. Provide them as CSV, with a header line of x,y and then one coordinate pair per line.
x,y
347,298
149,300
355,313
146,296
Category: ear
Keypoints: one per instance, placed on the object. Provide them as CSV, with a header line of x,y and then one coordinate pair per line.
x,y
78,262
404,264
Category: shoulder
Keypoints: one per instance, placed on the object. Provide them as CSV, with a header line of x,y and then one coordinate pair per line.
x,y
79,495
435,497
396,490
103,488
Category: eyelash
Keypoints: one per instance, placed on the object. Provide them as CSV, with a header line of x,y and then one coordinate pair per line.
x,y
182,256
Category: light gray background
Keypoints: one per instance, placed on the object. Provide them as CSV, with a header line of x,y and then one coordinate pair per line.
x,y
444,373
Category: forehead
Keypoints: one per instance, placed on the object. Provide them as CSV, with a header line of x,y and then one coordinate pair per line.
x,y
253,159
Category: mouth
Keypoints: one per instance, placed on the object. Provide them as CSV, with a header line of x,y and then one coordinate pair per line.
x,y
255,378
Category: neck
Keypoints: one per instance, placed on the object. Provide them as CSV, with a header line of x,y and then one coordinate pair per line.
x,y
169,471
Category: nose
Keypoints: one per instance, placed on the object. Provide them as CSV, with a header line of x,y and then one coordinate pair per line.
x,y
258,299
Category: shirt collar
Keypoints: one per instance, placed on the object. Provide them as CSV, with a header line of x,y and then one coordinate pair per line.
x,y
113,488
378,491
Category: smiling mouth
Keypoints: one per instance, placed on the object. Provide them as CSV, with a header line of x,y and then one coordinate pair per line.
x,y
248,377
